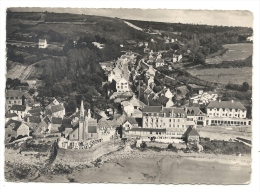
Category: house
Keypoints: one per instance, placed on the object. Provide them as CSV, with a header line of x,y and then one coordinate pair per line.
x,y
226,113
136,103
176,58
32,121
148,80
192,135
130,123
150,71
14,128
42,43
14,97
169,103
115,74
121,85
128,108
198,88
20,110
43,127
56,123
56,110
231,109
37,111
196,115
159,62
12,116
148,91
250,39
168,94
174,120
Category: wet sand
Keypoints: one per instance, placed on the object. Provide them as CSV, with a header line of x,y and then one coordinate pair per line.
x,y
160,170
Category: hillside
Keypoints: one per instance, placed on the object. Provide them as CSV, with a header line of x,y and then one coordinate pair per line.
x,y
71,26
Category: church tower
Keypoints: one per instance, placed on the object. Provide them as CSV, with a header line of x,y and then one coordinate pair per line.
x,y
81,122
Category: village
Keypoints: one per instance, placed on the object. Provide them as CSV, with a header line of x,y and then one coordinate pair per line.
x,y
162,119
92,98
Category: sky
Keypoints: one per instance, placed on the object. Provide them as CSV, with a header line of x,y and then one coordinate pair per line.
x,y
209,17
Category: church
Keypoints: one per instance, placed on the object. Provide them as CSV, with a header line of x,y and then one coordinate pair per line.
x,y
85,127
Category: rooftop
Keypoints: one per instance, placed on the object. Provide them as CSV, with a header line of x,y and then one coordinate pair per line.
x,y
10,115
226,104
148,130
18,108
14,93
13,124
56,108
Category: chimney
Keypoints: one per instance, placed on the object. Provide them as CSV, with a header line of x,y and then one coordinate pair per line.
x,y
77,109
219,100
232,101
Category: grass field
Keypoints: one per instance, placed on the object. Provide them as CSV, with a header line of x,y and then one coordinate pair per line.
x,y
224,75
235,52
22,72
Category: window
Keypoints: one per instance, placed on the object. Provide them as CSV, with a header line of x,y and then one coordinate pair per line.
x,y
151,132
170,120
182,126
170,125
15,102
177,126
9,102
178,120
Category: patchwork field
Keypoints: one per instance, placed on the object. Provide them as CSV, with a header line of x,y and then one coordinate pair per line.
x,y
22,72
235,52
224,75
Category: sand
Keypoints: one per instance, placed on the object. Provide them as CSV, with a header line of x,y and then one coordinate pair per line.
x,y
162,167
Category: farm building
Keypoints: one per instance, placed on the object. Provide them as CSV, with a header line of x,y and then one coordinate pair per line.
x,y
42,43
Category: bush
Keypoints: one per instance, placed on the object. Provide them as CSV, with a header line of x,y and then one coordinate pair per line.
x,y
143,145
172,148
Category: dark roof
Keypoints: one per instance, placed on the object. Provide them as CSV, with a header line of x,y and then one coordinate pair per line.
x,y
148,129
33,119
92,129
226,104
56,108
192,132
14,124
18,107
9,115
175,111
36,114
163,100
14,93
56,120
193,111
148,109
66,121
35,110
46,120
131,120
194,86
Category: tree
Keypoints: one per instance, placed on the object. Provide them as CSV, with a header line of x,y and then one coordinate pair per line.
x,y
245,87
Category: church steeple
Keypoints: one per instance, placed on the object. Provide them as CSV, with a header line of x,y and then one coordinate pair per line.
x,y
81,111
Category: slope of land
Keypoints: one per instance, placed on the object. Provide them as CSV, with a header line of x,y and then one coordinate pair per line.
x,y
234,52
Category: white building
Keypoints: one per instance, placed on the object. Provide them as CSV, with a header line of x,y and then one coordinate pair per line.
x,y
122,85
42,43
230,109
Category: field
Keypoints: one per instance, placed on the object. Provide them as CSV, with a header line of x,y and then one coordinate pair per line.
x,y
22,72
235,52
224,75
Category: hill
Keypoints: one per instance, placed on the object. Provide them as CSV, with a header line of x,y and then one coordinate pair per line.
x,y
71,26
